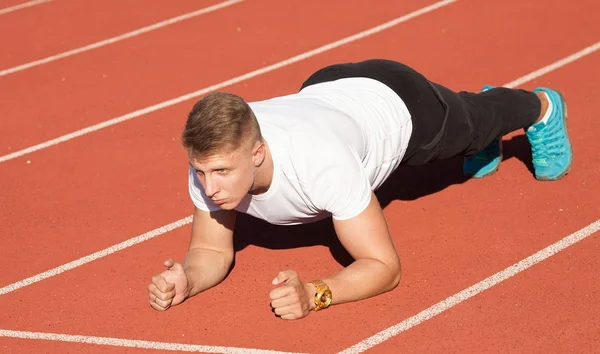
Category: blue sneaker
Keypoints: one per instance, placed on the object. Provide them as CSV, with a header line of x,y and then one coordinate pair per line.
x,y
485,162
551,148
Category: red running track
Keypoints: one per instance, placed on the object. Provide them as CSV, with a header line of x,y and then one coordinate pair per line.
x,y
86,194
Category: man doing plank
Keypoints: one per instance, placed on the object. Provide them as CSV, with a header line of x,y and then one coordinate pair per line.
x,y
323,151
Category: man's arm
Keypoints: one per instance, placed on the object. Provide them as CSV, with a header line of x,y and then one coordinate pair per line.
x,y
376,268
210,251
207,262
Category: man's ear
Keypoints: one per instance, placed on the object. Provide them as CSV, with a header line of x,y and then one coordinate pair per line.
x,y
259,153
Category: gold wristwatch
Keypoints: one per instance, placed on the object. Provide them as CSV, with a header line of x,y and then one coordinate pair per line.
x,y
323,296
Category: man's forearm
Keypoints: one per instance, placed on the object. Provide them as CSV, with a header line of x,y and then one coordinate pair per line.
x,y
362,279
205,268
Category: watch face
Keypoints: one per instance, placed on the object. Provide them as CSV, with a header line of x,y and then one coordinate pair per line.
x,y
326,297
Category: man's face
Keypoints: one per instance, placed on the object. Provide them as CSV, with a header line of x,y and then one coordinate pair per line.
x,y
226,177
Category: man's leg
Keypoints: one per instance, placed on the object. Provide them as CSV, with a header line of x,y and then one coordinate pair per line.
x,y
499,111
476,120
448,123
486,162
473,123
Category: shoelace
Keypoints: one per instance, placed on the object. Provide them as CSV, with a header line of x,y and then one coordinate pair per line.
x,y
547,142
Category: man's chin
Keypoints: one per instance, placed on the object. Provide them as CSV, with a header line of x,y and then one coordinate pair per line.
x,y
229,205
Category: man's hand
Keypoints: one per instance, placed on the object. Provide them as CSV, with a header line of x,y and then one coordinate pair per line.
x,y
169,288
292,300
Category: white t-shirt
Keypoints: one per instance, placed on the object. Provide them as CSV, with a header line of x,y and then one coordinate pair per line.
x,y
332,144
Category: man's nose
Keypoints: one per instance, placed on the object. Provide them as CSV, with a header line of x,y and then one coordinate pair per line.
x,y
210,186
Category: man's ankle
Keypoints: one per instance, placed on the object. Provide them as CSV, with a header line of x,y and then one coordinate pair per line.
x,y
545,105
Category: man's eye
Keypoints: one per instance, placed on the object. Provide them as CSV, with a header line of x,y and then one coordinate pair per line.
x,y
222,170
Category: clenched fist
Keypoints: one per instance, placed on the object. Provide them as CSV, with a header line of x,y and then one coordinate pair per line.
x,y
293,300
168,288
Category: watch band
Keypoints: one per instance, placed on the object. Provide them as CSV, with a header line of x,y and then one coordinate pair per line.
x,y
323,296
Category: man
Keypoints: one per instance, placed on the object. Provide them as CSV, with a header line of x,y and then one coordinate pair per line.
x,y
323,151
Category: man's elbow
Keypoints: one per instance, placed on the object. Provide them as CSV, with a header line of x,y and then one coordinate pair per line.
x,y
394,272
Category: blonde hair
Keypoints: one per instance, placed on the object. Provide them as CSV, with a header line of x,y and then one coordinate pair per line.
x,y
219,123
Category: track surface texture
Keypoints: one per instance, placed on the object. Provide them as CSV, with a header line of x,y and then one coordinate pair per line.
x,y
94,179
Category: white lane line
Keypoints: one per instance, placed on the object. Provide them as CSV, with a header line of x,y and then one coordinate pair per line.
x,y
22,6
131,343
556,65
119,37
97,255
223,84
474,289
